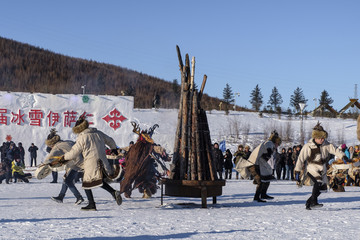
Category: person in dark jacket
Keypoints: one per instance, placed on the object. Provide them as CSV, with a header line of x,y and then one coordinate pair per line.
x,y
280,165
5,171
218,159
289,164
21,151
3,150
228,164
33,154
11,152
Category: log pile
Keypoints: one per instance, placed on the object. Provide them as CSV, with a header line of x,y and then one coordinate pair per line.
x,y
192,159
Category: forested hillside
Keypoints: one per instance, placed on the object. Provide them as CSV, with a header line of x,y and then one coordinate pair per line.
x,y
26,68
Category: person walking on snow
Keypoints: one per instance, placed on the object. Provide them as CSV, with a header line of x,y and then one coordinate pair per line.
x,y
59,147
91,144
259,167
312,161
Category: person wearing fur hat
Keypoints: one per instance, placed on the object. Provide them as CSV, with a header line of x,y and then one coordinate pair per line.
x,y
58,148
91,144
312,162
259,167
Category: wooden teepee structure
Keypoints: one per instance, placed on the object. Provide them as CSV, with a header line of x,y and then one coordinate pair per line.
x,y
192,149
193,172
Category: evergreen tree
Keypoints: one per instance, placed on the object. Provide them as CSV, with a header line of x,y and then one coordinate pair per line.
x,y
228,97
256,98
325,98
296,98
275,99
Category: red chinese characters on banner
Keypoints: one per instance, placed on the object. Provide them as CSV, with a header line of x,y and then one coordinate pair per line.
x,y
35,116
70,117
18,118
53,118
3,118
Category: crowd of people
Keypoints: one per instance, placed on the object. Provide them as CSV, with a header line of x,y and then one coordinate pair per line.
x,y
262,165
13,161
297,163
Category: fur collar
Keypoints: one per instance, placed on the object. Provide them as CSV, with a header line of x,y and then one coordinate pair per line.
x,y
81,127
52,141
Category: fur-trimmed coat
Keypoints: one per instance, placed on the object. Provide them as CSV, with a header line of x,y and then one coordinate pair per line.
x,y
315,158
91,144
257,158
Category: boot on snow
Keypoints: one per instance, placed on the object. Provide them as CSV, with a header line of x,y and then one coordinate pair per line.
x,y
79,200
89,207
58,199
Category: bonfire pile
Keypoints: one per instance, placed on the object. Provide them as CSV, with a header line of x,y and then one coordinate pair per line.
x,y
192,158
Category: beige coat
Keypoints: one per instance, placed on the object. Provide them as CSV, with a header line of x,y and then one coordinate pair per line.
x,y
59,149
91,144
316,159
256,158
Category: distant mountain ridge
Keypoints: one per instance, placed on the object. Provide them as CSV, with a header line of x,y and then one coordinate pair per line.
x,y
25,68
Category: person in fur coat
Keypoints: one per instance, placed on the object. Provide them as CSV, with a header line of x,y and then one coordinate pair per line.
x,y
59,147
91,144
312,162
259,167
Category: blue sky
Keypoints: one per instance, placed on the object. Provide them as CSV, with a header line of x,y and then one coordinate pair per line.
x,y
313,45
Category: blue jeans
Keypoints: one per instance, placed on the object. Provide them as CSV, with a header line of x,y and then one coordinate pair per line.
x,y
69,183
289,172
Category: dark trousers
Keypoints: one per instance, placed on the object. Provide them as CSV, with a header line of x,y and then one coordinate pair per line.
x,y
33,159
19,176
313,199
105,186
261,187
279,169
228,173
69,183
5,176
55,176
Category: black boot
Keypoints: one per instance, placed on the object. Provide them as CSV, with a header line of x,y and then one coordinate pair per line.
x,y
257,194
264,189
118,197
90,207
58,199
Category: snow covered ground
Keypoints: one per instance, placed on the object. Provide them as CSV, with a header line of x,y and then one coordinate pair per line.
x,y
27,212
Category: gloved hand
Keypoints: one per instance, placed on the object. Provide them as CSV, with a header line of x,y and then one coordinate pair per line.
x,y
62,160
297,176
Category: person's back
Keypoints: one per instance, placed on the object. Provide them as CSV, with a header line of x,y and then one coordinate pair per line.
x,y
91,144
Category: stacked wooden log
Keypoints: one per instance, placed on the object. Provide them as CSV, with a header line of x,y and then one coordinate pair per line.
x,y
192,159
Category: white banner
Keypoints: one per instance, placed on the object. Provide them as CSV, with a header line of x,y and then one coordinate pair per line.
x,y
28,117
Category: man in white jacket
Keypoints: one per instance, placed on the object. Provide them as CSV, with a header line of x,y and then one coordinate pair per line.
x,y
312,161
91,144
